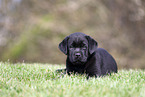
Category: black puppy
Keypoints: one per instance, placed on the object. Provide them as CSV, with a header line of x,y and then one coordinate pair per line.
x,y
83,56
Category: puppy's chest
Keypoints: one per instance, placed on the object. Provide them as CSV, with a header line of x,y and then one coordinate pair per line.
x,y
81,70
76,69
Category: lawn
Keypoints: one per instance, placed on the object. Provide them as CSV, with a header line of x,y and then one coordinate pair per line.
x,y
41,80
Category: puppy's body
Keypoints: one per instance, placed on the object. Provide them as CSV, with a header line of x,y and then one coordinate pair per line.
x,y
99,63
83,56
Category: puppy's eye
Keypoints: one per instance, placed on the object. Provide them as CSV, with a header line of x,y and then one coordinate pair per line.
x,y
84,48
71,46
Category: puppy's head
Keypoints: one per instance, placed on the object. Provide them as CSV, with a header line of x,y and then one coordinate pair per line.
x,y
78,47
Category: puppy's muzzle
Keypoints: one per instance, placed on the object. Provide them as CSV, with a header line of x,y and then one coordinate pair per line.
x,y
77,55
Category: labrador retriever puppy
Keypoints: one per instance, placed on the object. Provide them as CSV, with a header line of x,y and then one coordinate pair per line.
x,y
84,56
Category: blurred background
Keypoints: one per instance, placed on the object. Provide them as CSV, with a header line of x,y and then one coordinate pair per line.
x,y
30,30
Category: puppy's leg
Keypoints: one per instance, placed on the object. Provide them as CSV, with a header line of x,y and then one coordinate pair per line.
x,y
62,71
94,75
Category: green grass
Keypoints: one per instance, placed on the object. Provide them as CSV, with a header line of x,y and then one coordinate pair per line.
x,y
40,80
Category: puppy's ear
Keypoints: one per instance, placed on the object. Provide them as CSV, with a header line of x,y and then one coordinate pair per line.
x,y
63,45
92,44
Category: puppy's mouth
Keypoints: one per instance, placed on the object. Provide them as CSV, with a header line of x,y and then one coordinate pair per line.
x,y
78,62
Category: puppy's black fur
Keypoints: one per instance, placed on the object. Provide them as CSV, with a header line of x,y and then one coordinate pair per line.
x,y
83,56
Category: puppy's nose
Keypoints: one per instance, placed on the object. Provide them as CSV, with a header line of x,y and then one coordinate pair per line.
x,y
77,54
